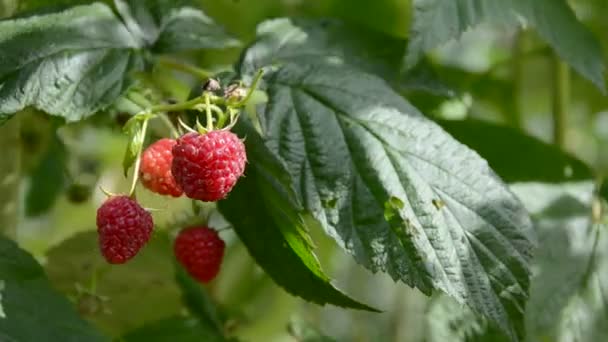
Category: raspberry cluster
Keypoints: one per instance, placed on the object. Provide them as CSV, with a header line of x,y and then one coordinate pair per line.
x,y
204,164
205,167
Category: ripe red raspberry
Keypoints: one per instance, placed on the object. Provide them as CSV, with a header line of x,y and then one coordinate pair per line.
x,y
200,250
155,170
124,227
207,166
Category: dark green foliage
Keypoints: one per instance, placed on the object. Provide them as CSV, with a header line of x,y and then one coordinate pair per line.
x,y
30,309
274,226
533,161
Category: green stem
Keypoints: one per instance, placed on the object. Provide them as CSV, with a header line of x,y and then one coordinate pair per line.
x,y
143,103
517,72
139,99
221,120
187,68
597,207
93,284
561,100
135,176
208,112
252,88
165,119
177,106
10,172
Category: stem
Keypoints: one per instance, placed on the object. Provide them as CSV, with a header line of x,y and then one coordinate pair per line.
x,y
228,227
165,119
139,99
184,126
208,113
597,209
252,88
135,176
187,68
221,121
517,72
143,103
561,100
10,176
176,107
93,284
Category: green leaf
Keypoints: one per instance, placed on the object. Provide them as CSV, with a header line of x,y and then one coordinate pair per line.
x,y
69,64
569,288
141,291
28,7
30,310
352,145
197,300
170,26
134,129
534,160
47,179
438,21
446,320
174,329
273,227
288,40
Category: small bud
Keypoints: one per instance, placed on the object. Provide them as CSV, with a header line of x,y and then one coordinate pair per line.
x,y
235,92
212,85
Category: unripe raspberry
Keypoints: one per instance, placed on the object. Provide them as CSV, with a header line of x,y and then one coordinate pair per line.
x,y
155,170
207,166
200,250
124,227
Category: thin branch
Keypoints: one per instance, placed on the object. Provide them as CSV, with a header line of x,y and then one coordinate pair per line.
x,y
561,100
184,67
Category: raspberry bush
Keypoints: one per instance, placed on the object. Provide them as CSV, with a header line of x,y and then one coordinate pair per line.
x,y
168,178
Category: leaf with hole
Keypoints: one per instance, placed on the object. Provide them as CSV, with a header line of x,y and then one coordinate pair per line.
x,y
274,227
396,191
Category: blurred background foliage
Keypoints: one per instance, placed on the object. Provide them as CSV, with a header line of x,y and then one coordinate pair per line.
x,y
504,76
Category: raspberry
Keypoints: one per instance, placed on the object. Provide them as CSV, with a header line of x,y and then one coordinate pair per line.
x,y
155,171
124,227
207,166
200,250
